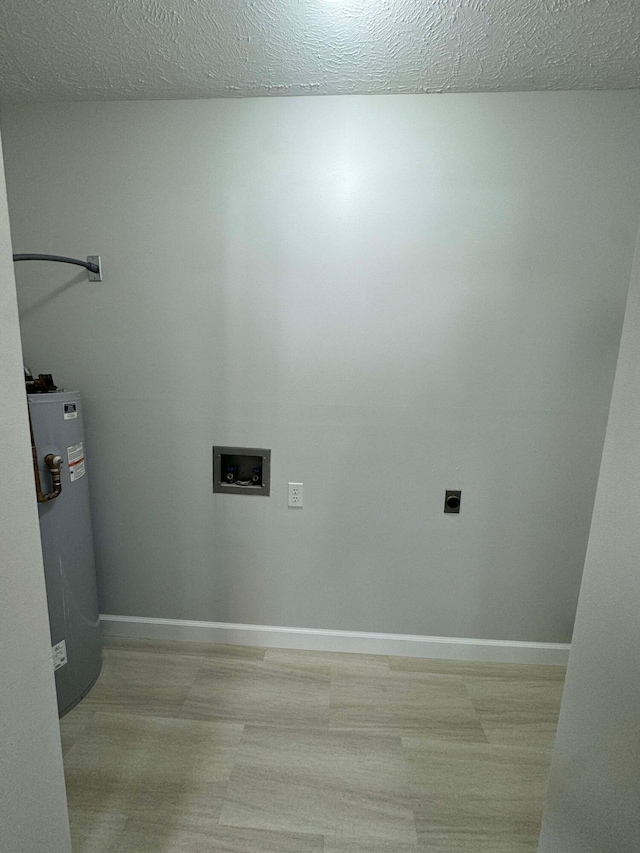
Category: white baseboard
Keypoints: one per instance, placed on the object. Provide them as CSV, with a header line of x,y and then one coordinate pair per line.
x,y
318,639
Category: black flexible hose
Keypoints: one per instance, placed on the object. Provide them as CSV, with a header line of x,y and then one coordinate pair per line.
x,y
60,259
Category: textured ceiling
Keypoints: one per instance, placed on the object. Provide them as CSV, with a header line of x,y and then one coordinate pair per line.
x,y
115,49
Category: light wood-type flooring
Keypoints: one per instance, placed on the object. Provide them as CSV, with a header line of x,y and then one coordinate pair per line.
x,y
189,748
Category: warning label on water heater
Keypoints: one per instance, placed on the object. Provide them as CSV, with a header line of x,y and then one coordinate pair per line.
x,y
59,654
75,454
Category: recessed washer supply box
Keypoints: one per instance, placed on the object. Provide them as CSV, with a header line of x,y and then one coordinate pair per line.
x,y
241,470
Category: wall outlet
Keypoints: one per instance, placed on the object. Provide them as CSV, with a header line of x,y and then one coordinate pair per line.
x,y
452,501
296,494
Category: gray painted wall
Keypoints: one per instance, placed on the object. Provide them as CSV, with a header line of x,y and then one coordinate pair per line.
x,y
33,809
594,790
398,295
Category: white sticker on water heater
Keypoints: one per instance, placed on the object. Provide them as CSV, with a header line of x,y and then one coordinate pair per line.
x,y
75,454
59,654
70,411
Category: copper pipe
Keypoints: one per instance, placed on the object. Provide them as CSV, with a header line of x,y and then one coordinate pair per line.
x,y
54,463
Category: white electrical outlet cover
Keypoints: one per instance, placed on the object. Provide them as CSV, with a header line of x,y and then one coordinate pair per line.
x,y
296,495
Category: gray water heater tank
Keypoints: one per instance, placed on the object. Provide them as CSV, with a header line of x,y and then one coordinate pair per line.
x,y
67,547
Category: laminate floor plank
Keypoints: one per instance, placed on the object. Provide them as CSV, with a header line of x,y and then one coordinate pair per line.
x,y
517,713
480,669
73,724
135,682
404,703
328,661
178,647
202,834
136,764
476,797
320,782
259,692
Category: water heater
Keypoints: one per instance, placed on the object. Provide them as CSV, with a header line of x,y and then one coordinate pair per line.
x,y
67,542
